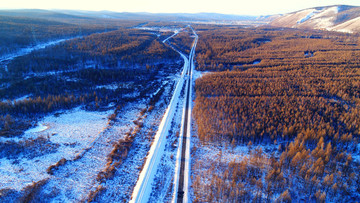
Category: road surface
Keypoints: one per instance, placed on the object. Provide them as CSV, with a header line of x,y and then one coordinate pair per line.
x,y
143,187
182,183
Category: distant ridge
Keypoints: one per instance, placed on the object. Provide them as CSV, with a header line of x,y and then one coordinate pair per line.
x,y
66,14
341,18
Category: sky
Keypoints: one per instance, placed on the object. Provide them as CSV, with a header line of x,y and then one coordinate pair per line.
x,y
240,7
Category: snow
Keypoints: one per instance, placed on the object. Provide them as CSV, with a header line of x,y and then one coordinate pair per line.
x,y
143,187
39,128
197,74
69,134
155,161
108,17
25,97
217,155
356,156
175,33
77,126
29,49
85,139
159,29
121,186
307,17
187,180
328,12
323,17
349,26
309,54
178,155
109,87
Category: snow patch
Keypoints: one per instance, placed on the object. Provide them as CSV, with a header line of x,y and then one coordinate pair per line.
x,y
357,156
198,74
109,87
71,132
39,128
29,49
307,17
349,26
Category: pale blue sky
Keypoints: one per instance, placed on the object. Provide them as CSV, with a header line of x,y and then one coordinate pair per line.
x,y
242,7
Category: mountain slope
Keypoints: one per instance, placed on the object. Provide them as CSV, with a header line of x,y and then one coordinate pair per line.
x,y
334,18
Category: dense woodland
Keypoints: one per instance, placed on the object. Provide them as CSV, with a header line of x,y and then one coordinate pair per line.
x,y
122,48
96,70
298,90
21,31
303,96
228,48
183,40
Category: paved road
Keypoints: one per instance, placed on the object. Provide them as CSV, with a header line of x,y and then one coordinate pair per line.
x,y
143,187
183,182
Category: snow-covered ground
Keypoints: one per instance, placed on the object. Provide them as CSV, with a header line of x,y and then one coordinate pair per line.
x,y
143,188
25,97
109,87
350,26
68,150
357,156
39,128
29,49
79,176
215,157
325,18
187,135
157,182
121,186
160,29
62,136
308,16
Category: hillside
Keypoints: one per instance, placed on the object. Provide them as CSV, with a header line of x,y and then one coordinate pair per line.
x,y
81,16
339,18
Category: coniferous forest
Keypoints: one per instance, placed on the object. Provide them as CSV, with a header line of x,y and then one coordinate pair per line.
x,y
78,71
296,90
275,118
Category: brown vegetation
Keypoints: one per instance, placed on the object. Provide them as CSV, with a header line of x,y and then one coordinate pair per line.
x,y
303,95
53,167
117,155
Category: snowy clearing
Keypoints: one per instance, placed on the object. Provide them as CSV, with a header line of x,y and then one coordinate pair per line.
x,y
68,134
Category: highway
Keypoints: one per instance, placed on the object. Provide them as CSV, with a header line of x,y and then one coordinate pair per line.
x,y
182,184
143,187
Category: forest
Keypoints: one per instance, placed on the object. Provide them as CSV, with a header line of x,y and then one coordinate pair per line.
x,y
302,96
116,49
23,31
93,70
182,41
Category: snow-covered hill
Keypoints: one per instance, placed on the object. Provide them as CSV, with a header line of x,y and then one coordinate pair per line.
x,y
334,18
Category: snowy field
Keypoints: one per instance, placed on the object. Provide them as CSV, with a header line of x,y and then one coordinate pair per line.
x,y
84,139
54,138
121,186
